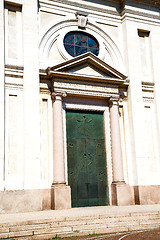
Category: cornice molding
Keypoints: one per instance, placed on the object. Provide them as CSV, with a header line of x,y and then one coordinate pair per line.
x,y
64,72
134,14
80,5
88,59
14,86
148,2
148,91
90,9
45,91
14,71
80,77
148,86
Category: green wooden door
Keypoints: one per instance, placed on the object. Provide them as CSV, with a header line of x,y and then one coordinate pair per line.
x,y
86,158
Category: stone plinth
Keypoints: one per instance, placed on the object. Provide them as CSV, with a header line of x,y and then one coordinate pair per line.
x,y
60,196
121,194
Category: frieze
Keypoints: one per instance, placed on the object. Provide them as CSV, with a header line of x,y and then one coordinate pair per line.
x,y
85,87
87,93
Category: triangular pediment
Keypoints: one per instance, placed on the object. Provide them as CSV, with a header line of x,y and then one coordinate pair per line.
x,y
90,70
88,65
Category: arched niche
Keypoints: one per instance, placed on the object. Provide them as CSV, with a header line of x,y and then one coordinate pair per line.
x,y
52,51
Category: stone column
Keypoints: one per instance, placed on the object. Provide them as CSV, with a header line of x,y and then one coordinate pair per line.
x,y
121,194
61,193
117,161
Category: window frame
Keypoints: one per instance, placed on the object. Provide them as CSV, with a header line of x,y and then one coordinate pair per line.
x,y
74,45
89,31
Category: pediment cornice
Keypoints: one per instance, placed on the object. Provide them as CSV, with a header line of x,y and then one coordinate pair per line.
x,y
72,76
105,71
101,80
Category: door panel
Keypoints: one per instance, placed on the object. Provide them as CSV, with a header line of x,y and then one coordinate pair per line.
x,y
86,158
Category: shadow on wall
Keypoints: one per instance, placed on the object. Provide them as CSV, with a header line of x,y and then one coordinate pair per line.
x,y
115,5
120,6
149,194
136,195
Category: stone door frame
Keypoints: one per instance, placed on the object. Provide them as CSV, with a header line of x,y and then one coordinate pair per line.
x,y
105,83
106,116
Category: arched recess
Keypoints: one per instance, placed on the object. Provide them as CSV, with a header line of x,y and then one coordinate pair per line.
x,y
53,39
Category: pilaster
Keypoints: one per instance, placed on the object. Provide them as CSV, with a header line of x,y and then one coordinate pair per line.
x,y
31,95
135,100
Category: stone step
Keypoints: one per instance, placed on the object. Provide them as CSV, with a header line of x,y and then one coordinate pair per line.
x,y
39,227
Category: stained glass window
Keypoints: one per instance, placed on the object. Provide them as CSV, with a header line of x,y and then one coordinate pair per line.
x,y
77,43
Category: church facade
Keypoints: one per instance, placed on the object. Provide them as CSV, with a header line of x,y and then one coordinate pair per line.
x,y
79,104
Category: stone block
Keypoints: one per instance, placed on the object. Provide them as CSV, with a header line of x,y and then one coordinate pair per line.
x,y
149,194
89,227
114,216
60,197
29,227
142,227
121,194
125,219
20,234
52,230
25,200
146,215
97,221
4,230
66,234
39,237
71,223
103,230
109,219
55,224
81,217
150,222
116,229
83,232
121,224
4,235
44,221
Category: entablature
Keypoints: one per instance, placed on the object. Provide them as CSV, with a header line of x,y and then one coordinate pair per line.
x,y
103,81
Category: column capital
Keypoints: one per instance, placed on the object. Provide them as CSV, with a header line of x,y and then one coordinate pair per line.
x,y
114,101
58,95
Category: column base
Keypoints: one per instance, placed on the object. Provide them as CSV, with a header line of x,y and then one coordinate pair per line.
x,y
60,197
121,194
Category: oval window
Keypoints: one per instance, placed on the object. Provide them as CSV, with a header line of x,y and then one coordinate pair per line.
x,y
77,43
